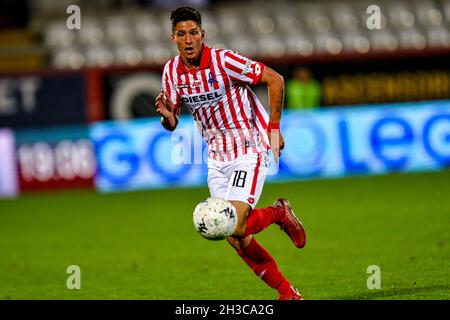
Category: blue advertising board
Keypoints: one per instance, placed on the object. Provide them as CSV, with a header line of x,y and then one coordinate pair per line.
x,y
368,140
378,139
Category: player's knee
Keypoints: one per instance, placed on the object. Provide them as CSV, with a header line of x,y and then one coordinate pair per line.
x,y
242,212
239,243
234,243
240,231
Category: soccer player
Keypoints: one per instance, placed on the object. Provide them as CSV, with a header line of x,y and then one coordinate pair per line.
x,y
215,86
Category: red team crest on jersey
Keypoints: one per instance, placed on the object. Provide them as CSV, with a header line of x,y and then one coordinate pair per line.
x,y
193,85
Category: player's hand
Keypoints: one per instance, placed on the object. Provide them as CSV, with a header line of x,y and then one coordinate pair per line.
x,y
276,140
164,106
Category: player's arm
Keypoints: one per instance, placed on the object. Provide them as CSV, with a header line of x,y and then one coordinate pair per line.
x,y
169,114
242,69
275,86
167,102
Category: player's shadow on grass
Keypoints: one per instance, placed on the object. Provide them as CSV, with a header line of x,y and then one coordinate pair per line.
x,y
399,293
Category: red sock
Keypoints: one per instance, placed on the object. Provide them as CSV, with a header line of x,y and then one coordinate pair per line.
x,y
264,266
259,219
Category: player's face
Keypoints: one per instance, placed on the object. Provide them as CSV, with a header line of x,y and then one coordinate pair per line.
x,y
188,37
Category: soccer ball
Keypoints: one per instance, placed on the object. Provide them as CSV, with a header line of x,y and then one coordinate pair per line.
x,y
215,219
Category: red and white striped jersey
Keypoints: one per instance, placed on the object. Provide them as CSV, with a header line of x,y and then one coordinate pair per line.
x,y
228,114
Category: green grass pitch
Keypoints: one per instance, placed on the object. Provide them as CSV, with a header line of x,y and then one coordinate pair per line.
x,y
142,245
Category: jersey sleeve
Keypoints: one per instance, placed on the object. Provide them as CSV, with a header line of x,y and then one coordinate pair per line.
x,y
241,68
168,86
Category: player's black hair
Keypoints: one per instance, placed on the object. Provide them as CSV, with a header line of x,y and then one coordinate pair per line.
x,y
185,14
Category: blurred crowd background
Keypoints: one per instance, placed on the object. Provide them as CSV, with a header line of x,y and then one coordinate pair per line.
x,y
314,44
110,68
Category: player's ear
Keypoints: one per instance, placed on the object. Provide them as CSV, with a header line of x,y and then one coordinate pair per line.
x,y
203,33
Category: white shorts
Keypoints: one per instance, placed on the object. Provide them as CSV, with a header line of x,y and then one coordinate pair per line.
x,y
241,179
